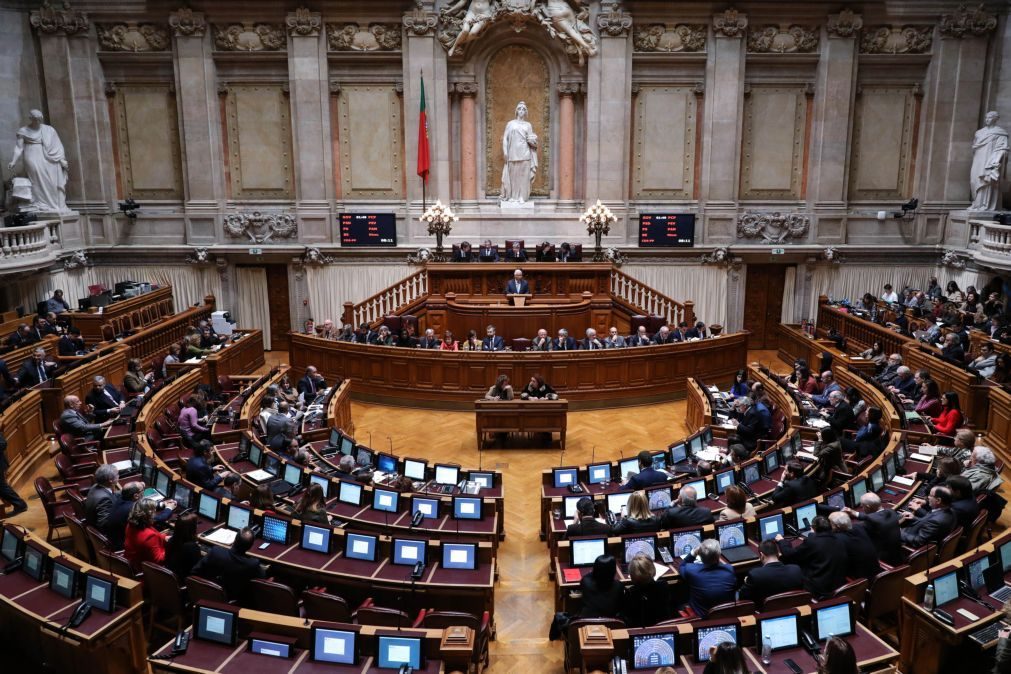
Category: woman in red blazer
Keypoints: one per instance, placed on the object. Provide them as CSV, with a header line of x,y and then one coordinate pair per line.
x,y
143,542
950,418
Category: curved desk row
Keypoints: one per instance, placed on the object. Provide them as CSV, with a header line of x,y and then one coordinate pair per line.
x,y
588,379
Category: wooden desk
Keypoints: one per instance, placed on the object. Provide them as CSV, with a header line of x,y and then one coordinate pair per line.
x,y
521,416
155,340
27,447
16,358
242,356
794,343
91,323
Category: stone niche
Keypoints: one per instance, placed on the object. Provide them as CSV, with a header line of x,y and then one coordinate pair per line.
x,y
517,73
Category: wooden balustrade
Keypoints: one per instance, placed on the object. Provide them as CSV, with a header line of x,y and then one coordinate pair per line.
x,y
648,301
155,340
388,301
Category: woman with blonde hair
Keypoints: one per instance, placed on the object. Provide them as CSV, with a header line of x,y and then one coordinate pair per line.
x,y
638,518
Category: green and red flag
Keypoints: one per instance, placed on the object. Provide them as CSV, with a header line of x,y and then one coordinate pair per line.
x,y
424,161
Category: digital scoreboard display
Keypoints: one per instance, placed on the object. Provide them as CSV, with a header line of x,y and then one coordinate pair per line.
x,y
368,229
666,230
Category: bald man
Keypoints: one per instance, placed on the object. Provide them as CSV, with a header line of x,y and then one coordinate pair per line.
x,y
74,422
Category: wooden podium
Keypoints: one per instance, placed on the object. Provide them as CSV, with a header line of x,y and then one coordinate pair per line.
x,y
519,299
521,416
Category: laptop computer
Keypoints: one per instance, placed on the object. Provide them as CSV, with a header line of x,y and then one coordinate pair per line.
x,y
734,543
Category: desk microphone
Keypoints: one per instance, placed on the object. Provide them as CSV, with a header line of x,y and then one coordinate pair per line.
x,y
561,457
370,439
593,453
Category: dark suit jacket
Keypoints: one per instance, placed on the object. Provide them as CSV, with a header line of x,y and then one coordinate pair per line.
x,y
907,387
842,418
752,428
102,403
646,478
488,254
543,346
569,344
965,510
74,423
600,602
587,526
309,387
823,559
233,572
279,431
954,352
68,346
861,555
694,333
646,605
764,581
795,491
115,523
201,474
495,343
512,288
426,343
677,516
708,586
883,529
28,375
98,506
931,528
461,256
632,525
635,340
671,338
585,344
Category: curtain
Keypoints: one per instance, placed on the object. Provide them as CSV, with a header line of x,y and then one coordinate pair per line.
x,y
705,285
253,310
330,286
851,281
789,290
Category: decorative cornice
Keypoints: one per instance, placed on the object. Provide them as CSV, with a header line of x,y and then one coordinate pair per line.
x,y
659,37
352,37
772,227
303,23
730,23
132,37
844,24
260,227
199,256
65,21
76,260
465,88
187,23
783,40
897,40
613,20
249,37
967,22
420,21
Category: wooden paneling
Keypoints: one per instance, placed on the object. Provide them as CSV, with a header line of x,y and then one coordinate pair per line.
x,y
242,357
91,323
278,303
23,425
763,303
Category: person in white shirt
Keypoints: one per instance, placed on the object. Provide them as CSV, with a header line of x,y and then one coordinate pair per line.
x,y
889,294
986,363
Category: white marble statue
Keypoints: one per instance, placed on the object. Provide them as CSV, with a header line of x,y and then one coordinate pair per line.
x,y
45,164
561,19
479,15
989,161
519,147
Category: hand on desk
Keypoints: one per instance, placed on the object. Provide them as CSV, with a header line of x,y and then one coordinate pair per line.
x,y
905,517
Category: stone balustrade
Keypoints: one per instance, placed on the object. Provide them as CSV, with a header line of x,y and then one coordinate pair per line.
x,y
29,247
990,243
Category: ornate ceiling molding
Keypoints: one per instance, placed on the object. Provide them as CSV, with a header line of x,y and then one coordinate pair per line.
x,y
730,23
187,23
659,37
844,24
132,37
250,37
967,22
792,39
897,40
303,23
65,21
352,37
772,227
260,227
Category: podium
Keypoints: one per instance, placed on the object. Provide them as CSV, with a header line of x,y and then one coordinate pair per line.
x,y
519,299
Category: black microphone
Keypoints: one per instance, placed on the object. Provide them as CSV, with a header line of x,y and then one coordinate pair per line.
x,y
391,443
561,457
593,453
370,439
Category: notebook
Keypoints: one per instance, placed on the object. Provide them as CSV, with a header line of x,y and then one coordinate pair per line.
x,y
224,536
259,475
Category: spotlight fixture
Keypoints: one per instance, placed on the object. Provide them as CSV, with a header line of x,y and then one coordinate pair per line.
x,y
129,208
908,210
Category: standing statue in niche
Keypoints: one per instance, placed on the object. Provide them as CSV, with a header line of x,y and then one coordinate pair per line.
x,y
989,160
519,147
45,164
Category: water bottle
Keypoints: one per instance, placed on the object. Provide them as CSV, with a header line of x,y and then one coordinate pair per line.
x,y
767,650
928,598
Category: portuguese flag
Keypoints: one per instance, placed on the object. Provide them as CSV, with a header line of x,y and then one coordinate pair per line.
x,y
423,156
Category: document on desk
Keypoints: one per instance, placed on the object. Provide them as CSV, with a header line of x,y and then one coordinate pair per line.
x,y
927,450
916,456
904,481
224,536
660,570
817,423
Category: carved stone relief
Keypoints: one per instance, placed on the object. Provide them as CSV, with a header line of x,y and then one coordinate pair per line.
x,y
132,37
792,39
76,260
303,23
730,23
967,22
250,37
679,38
66,21
844,24
352,37
773,227
260,227
613,20
420,21
186,22
897,40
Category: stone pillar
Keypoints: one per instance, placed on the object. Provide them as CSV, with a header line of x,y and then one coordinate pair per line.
x,y
833,107
200,124
468,140
724,104
310,109
567,140
954,93
609,108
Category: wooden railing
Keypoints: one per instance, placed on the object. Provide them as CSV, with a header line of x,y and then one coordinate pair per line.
x,y
649,301
388,301
155,340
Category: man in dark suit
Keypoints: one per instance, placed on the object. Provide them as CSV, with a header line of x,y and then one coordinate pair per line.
x,y
364,334
104,397
640,338
664,336
516,252
280,428
462,253
840,413
882,526
563,342
963,503
750,428
102,496
115,523
232,569
72,421
311,384
429,341
795,487
822,558
7,492
587,524
71,343
952,349
488,252
686,513
541,342
591,342
709,583
698,332
904,382
199,471
21,337
932,527
492,342
772,577
35,370
647,475
861,555
8,384
517,285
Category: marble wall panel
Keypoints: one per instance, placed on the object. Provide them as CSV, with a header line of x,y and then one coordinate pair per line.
x,y
371,141
772,153
148,139
259,139
882,143
664,143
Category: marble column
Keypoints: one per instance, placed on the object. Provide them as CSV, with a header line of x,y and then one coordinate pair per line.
x,y
833,108
567,140
954,92
310,110
468,140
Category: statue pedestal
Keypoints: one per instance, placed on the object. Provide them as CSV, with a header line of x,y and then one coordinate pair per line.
x,y
516,206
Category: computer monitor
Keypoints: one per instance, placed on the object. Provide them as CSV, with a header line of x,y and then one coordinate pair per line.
x,y
598,473
408,552
731,535
877,480
586,550
274,647
1005,556
771,462
385,500
833,621
323,481
335,438
350,492
360,546
751,473
771,526
569,503
699,486
208,506
651,651
708,637
446,474
363,456
974,572
386,463
415,469
804,515
292,474
337,647
945,588
836,499
392,652
347,445
678,453
857,491
483,479
615,502
660,498
10,546
316,539
707,436
695,444
63,580
660,461
786,452
275,529
564,477
147,470
271,464
900,455
459,556
183,495
428,507
723,480
238,517
100,591
780,630
627,466
35,562
255,454
890,469
467,508
220,625
638,545
796,443
683,541
244,444
163,482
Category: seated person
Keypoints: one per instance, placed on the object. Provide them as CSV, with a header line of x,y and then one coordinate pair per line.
x,y
142,541
647,475
516,252
686,512
328,330
710,583
492,342
828,385
501,390
839,414
795,487
209,338
903,383
41,328
586,523
488,252
986,363
56,303
546,252
945,423
563,342
640,338
891,370
681,332
541,342
932,527
21,337
472,343
406,339
174,355
614,340
199,470
772,577
73,421
952,349
664,336
71,344
312,506
590,342
882,526
448,342
737,504
861,554
566,253
602,592
750,427
192,348
229,487
638,518
537,388
870,439
429,341
517,285
36,369
191,422
821,557
981,471
646,601
364,334
698,332
929,403
232,569
463,253
103,397
384,337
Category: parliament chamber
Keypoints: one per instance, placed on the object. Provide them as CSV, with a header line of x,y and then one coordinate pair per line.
x,y
437,336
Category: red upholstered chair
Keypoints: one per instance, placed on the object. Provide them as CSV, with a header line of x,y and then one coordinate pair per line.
x,y
273,597
79,540
654,323
318,605
394,323
778,602
99,543
79,475
948,546
639,320
57,509
855,590
521,344
165,597
732,609
385,617
201,589
884,595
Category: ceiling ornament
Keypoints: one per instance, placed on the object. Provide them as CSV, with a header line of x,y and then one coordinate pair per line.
x,y
132,37
249,37
897,40
260,227
967,22
303,23
774,227
783,40
658,37
844,24
352,37
730,23
186,22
